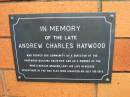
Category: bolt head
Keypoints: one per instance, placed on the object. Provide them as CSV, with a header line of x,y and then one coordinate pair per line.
x,y
112,15
19,77
12,18
107,79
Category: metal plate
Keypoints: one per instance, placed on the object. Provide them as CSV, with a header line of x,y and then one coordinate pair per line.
x,y
69,47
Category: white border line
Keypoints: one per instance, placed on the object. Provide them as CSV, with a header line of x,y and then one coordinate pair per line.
x,y
61,18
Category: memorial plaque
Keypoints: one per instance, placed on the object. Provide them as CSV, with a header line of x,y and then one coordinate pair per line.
x,y
63,47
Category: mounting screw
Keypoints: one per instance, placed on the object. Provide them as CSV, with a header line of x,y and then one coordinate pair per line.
x,y
12,18
107,79
112,16
19,77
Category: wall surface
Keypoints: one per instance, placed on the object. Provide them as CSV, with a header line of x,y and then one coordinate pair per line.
x,y
120,85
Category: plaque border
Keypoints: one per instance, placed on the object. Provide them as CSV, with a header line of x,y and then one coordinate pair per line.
x,y
90,16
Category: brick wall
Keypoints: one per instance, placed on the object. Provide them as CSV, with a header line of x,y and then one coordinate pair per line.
x,y
120,85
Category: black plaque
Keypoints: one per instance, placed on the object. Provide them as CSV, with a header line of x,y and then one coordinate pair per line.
x,y
69,47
